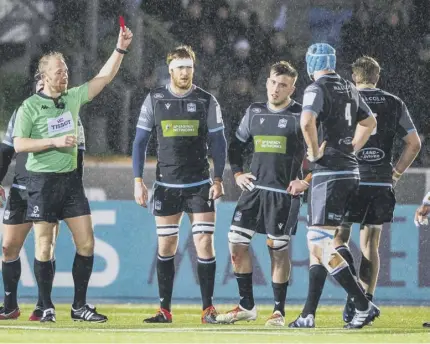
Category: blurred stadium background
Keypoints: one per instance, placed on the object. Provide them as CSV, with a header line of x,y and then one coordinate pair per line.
x,y
235,41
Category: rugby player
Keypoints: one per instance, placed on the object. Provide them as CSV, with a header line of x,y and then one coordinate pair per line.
x,y
184,118
15,225
46,128
333,106
421,218
375,201
265,206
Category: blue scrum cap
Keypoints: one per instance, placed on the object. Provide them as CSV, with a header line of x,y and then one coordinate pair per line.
x,y
320,56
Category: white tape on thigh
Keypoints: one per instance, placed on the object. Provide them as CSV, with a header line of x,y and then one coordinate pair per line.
x,y
278,243
323,238
203,228
167,230
240,236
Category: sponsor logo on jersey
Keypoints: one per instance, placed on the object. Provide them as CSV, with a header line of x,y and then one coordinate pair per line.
x,y
185,127
370,154
282,123
158,95
61,124
270,144
191,107
44,107
144,110
167,106
280,225
237,215
256,110
261,120
346,141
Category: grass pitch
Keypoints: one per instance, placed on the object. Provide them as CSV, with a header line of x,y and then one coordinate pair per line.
x,y
396,325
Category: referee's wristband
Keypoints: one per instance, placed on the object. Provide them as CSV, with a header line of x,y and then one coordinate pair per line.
x,y
121,51
426,199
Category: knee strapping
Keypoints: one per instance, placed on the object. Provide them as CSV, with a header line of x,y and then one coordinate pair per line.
x,y
278,243
240,236
168,230
203,228
323,238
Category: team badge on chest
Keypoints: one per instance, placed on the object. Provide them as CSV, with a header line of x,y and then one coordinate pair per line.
x,y
282,123
191,107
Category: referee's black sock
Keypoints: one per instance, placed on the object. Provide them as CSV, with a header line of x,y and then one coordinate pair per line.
x,y
166,276
81,272
206,269
280,295
317,277
244,281
44,273
11,272
39,303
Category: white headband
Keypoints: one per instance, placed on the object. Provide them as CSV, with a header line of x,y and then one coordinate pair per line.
x,y
181,63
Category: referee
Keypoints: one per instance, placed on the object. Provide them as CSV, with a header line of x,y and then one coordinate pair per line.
x,y
46,128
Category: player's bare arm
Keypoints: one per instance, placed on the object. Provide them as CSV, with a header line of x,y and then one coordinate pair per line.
x,y
363,131
111,67
410,151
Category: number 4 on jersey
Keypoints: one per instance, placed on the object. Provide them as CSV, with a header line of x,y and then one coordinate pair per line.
x,y
348,114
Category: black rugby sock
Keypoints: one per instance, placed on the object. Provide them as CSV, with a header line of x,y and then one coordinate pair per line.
x,y
44,273
206,269
81,272
317,277
244,281
280,295
166,276
11,272
39,303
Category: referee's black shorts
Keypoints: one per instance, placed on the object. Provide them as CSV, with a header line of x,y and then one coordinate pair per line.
x,y
56,196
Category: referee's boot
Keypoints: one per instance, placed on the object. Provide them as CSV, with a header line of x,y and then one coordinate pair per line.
x,y
237,314
162,316
48,315
363,318
9,314
87,313
426,324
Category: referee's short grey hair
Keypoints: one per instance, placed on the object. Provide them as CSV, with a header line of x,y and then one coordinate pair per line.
x,y
43,61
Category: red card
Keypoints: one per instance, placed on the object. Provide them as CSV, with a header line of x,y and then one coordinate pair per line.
x,y
122,23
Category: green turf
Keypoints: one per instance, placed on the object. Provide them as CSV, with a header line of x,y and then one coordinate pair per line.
x,y
396,325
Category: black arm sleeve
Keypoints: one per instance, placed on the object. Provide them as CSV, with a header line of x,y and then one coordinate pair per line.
x,y
235,155
6,155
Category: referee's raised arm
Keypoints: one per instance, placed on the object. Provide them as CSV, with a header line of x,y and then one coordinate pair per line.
x,y
111,67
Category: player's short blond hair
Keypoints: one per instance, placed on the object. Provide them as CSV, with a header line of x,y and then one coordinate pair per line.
x,y
181,52
43,62
366,70
284,68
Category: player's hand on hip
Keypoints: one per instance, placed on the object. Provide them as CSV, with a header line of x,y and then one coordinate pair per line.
x,y
124,38
421,215
297,186
311,155
3,196
244,181
65,141
140,193
216,191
